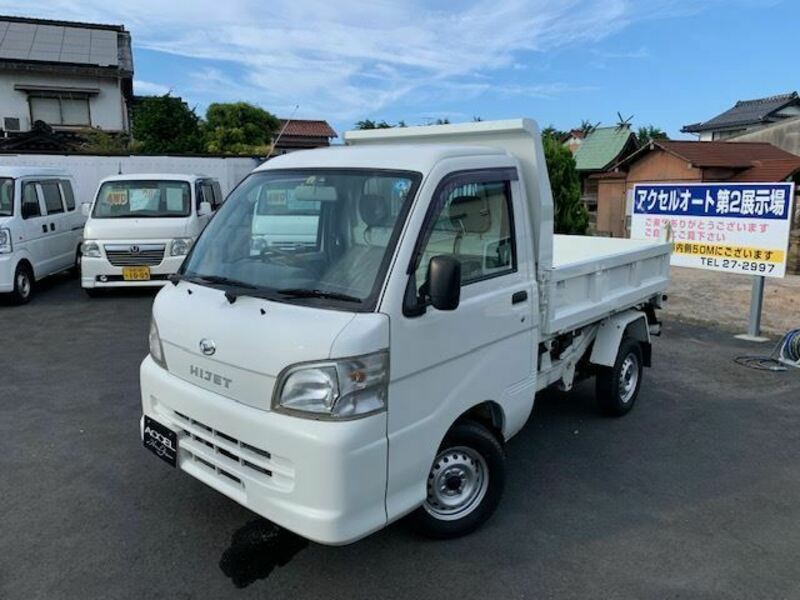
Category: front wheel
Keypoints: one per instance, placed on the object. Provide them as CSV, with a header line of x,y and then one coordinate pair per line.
x,y
23,284
617,387
465,483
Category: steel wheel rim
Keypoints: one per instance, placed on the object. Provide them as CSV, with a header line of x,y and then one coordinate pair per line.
x,y
23,284
457,483
628,378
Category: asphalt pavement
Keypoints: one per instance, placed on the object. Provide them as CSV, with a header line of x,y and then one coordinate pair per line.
x,y
695,494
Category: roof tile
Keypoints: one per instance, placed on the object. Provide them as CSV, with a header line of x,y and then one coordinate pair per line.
x,y
307,128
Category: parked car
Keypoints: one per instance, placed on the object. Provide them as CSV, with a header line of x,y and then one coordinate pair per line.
x,y
40,227
141,227
380,372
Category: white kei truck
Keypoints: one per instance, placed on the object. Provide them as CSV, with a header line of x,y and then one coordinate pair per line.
x,y
141,226
336,387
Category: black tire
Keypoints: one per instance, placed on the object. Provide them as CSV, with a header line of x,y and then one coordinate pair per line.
x,y
23,284
472,448
94,292
617,387
75,270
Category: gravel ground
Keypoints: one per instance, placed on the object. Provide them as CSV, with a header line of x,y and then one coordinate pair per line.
x,y
723,300
692,495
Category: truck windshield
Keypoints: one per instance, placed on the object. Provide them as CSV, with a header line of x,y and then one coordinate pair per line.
x,y
6,197
321,237
142,199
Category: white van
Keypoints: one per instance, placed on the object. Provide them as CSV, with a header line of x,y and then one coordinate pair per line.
x,y
141,227
378,371
40,227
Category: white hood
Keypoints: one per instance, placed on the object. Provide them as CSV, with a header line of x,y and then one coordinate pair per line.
x,y
254,339
136,229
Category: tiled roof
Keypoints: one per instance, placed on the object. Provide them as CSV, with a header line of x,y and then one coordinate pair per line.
x,y
722,154
755,161
307,128
770,170
601,148
746,112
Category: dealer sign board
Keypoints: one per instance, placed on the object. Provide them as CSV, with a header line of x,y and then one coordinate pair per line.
x,y
733,227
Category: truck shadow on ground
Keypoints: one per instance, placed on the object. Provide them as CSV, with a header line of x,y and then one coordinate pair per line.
x,y
256,549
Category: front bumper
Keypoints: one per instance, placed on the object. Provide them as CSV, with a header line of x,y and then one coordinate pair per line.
x,y
7,266
325,481
93,268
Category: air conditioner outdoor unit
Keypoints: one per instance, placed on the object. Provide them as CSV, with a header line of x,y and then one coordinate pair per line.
x,y
11,123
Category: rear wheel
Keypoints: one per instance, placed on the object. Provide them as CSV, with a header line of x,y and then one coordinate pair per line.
x,y
23,284
465,483
617,387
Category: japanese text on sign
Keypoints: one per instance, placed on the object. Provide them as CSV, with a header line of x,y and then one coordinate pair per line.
x,y
742,228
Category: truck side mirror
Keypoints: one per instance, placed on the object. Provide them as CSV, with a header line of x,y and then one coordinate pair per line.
x,y
86,209
204,209
444,282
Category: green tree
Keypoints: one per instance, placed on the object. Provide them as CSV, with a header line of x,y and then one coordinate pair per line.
x,y
165,124
239,128
97,141
556,134
382,124
650,132
571,216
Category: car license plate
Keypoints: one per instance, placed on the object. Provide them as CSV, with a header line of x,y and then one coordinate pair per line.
x,y
136,273
161,441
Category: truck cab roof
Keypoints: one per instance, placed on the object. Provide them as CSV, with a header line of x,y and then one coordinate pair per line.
x,y
190,177
17,172
411,157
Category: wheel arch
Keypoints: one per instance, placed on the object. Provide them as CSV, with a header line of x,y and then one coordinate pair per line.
x,y
24,260
630,323
489,414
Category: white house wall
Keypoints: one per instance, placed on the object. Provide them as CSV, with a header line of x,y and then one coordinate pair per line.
x,y
107,109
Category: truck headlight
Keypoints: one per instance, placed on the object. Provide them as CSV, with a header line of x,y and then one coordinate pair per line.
x,y
90,249
156,348
180,246
6,247
337,389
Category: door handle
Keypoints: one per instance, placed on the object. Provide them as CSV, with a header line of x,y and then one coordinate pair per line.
x,y
52,226
44,228
518,297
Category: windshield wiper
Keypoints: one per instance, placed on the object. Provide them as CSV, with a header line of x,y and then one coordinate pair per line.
x,y
305,293
230,294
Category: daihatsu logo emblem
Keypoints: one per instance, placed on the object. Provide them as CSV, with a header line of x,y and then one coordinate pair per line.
x,y
207,347
135,250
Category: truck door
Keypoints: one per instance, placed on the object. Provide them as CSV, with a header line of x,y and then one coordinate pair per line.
x,y
444,363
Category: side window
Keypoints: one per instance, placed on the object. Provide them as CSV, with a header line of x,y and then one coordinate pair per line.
x,y
474,224
208,194
218,198
52,197
30,201
66,192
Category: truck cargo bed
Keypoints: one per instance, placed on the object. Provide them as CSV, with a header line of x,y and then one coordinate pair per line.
x,y
593,277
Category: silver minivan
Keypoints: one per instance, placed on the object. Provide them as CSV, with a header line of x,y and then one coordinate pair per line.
x,y
41,227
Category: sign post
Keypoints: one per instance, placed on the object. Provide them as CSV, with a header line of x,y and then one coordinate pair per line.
x,y
756,305
730,227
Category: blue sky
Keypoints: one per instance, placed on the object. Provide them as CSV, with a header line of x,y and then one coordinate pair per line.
x,y
667,62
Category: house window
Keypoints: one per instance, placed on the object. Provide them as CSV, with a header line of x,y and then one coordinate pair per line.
x,y
60,109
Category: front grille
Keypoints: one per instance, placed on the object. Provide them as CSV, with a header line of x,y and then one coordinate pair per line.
x,y
226,456
147,255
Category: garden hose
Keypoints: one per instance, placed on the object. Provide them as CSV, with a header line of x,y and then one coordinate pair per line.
x,y
786,353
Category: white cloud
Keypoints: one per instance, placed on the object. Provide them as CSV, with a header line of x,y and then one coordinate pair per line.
x,y
148,88
348,59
